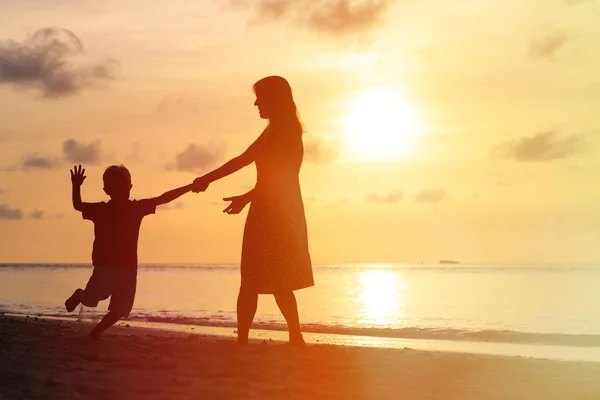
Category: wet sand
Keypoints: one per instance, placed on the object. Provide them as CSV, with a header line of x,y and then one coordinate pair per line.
x,y
47,359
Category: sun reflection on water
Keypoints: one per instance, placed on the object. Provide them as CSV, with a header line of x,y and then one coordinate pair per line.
x,y
380,298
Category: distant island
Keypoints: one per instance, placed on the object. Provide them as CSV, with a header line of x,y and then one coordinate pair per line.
x,y
449,262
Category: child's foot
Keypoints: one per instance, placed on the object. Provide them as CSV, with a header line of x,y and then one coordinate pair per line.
x,y
73,301
94,334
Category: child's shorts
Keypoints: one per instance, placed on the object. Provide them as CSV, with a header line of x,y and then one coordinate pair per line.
x,y
117,283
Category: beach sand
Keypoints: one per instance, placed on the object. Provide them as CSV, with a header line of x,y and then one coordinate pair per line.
x,y
48,359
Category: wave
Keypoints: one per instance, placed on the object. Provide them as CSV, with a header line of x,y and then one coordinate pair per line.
x,y
495,336
449,334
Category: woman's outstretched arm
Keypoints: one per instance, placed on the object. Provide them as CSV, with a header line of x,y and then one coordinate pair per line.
x,y
235,164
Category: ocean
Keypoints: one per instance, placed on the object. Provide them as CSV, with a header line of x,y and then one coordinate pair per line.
x,y
552,305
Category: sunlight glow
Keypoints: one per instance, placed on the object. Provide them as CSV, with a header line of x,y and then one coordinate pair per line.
x,y
380,298
380,125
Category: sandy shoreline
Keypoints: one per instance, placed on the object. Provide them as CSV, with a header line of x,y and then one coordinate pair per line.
x,y
56,360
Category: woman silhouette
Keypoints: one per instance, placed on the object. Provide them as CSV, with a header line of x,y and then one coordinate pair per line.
x,y
275,256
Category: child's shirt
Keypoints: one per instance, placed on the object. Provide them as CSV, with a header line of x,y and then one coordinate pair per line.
x,y
116,230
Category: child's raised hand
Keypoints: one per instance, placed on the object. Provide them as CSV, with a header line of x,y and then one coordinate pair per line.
x,y
77,175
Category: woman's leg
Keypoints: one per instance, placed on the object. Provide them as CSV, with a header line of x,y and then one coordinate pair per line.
x,y
246,308
289,308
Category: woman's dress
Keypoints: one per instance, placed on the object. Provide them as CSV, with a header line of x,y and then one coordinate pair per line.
x,y
275,255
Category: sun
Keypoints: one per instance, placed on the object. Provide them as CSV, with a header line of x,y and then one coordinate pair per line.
x,y
380,125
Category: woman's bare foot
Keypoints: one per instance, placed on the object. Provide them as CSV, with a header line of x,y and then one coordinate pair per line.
x,y
297,340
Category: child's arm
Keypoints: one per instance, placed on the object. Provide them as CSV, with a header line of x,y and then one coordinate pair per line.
x,y
171,195
77,178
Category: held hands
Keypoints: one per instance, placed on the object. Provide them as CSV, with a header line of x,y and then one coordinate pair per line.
x,y
200,184
237,204
77,175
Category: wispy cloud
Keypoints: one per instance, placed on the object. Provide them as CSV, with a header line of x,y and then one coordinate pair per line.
x,y
181,101
81,153
431,196
135,153
389,198
543,146
320,151
9,213
172,206
547,46
74,152
37,214
336,18
340,202
53,60
197,158
37,161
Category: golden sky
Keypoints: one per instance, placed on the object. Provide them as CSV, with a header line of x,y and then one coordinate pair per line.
x,y
435,130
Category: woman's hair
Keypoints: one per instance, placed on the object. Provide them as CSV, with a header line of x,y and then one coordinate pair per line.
x,y
278,92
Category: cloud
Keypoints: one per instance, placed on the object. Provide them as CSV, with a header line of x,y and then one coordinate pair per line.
x,y
135,153
197,158
337,203
37,161
37,214
547,46
172,206
337,18
52,60
178,102
7,213
431,196
320,152
389,198
74,152
80,153
543,146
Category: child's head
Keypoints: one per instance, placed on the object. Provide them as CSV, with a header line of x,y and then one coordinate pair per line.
x,y
117,182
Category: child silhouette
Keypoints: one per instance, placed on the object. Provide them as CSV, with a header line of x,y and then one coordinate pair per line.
x,y
116,230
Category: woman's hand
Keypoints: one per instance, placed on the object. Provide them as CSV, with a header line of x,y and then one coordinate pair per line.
x,y
200,184
237,204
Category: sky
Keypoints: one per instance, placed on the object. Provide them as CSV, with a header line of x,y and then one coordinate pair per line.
x,y
434,130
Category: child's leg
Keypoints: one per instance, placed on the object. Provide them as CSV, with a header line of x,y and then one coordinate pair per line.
x,y
121,300
99,287
109,320
73,301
